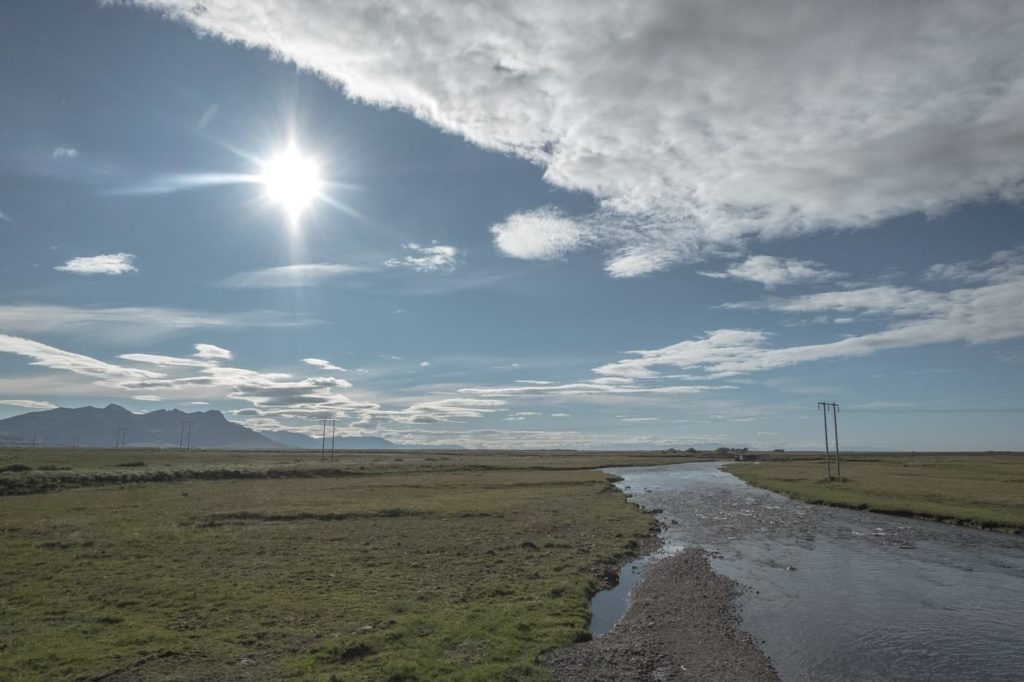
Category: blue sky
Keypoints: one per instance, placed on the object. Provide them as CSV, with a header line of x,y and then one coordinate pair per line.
x,y
553,227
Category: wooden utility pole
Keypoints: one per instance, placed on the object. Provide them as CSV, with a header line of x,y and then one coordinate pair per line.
x,y
835,430
823,406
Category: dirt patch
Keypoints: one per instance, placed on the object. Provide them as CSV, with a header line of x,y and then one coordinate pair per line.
x,y
681,625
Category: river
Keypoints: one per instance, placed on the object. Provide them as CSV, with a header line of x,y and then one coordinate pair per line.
x,y
838,594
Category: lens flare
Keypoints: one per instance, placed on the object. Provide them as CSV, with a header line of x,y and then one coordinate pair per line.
x,y
292,180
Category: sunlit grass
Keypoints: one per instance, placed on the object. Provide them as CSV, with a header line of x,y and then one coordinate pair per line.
x,y
402,575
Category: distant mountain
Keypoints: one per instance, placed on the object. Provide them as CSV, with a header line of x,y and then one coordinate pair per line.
x,y
298,440
96,427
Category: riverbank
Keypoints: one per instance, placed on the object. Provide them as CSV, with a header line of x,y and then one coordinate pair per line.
x,y
681,624
979,490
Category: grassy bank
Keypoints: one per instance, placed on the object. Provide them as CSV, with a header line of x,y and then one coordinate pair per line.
x,y
971,489
28,470
407,574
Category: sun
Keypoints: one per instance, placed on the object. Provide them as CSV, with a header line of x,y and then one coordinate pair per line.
x,y
292,180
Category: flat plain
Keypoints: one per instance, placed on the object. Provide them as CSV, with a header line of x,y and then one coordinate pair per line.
x,y
975,489
154,565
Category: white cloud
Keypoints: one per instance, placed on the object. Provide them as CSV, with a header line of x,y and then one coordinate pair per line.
x,y
430,411
323,364
148,398
29,404
54,358
62,152
208,351
560,415
104,264
433,258
772,271
289,276
133,323
6,218
163,360
542,234
521,416
983,314
691,125
425,363
595,387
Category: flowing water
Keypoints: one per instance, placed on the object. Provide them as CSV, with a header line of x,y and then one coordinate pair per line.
x,y
838,594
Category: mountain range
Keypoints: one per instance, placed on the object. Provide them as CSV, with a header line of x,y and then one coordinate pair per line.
x,y
103,427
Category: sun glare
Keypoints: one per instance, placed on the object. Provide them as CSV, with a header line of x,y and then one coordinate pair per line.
x,y
292,180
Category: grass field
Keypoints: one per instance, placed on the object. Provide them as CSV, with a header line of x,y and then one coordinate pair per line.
x,y
984,490
388,567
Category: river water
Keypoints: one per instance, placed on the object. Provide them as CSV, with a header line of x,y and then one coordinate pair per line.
x,y
836,594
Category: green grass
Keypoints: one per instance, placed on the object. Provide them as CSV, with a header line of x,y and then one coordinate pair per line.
x,y
404,572
980,490
27,470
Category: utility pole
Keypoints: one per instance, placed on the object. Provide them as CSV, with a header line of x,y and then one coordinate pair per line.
x,y
122,438
184,444
332,439
33,439
75,441
823,407
323,440
835,429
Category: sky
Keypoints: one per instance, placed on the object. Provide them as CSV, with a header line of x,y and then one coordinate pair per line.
x,y
532,224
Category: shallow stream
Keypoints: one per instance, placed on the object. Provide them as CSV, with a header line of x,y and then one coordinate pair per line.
x,y
839,594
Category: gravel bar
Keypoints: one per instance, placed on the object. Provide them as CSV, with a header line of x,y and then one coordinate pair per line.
x,y
681,624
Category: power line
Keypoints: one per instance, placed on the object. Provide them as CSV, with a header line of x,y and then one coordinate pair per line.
x,y
939,410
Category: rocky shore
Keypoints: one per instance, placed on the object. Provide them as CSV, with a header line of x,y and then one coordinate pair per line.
x,y
681,624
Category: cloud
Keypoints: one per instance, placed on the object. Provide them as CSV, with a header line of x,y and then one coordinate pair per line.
x,y
29,404
542,234
986,313
147,398
54,358
6,218
430,411
596,387
425,363
65,153
133,323
104,264
208,351
691,125
433,258
163,360
772,271
323,364
289,276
